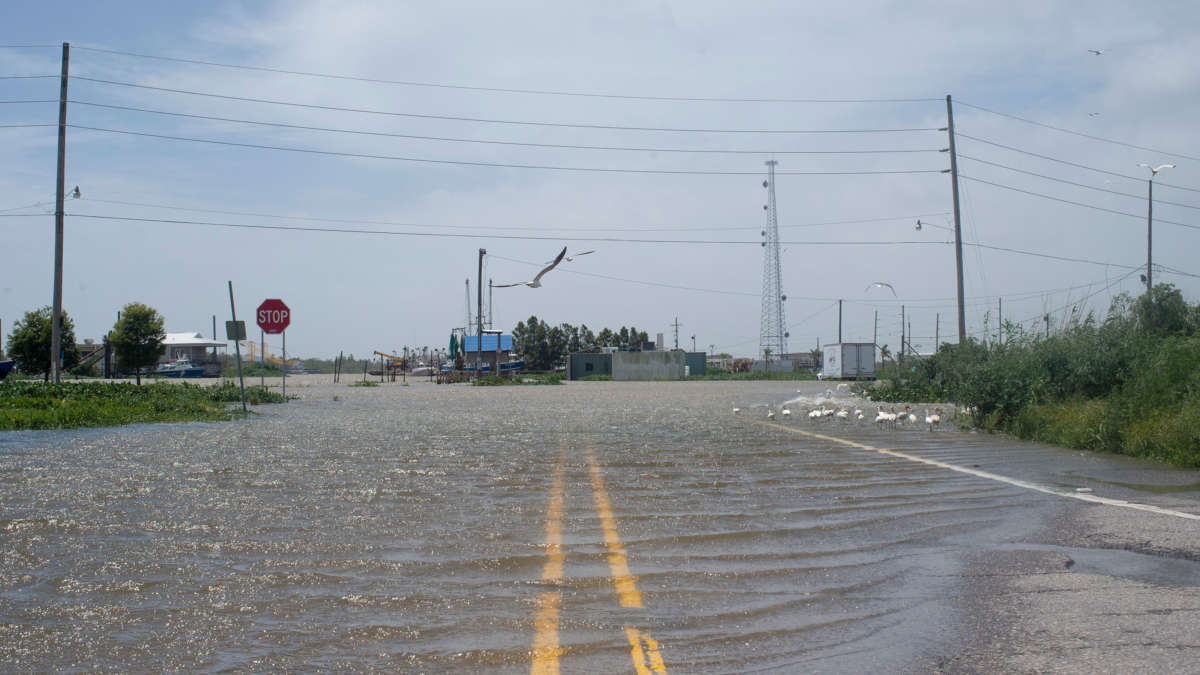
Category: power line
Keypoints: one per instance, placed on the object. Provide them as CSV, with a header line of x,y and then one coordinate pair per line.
x,y
367,111
1079,133
294,228
1052,257
1074,164
1067,182
495,142
1068,201
630,281
37,100
26,77
505,90
26,126
260,214
547,167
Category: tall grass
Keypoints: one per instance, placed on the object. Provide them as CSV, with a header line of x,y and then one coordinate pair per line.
x,y
37,405
1127,384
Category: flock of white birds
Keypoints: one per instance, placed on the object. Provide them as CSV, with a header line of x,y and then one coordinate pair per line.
x,y
890,417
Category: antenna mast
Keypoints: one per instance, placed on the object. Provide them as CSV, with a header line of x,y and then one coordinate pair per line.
x,y
772,330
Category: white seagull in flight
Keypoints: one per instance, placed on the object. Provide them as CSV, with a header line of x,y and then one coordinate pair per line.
x,y
881,284
1097,52
573,256
537,281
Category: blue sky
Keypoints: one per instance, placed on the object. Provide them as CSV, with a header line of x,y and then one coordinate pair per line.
x,y
402,284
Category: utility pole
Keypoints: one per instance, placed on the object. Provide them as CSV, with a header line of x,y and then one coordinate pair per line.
x,y
958,258
839,321
676,324
479,317
937,332
56,320
875,333
490,317
1000,320
901,334
772,333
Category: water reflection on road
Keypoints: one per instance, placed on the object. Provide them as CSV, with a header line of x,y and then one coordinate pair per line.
x,y
593,526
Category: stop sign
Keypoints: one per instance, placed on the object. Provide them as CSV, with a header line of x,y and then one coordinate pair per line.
x,y
273,316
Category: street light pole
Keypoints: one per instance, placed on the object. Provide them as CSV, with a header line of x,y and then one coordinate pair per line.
x,y
1150,221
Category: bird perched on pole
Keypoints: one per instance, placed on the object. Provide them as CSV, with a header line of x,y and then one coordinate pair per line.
x,y
537,281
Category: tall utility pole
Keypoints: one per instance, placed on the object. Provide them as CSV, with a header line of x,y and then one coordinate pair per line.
x,y
1150,221
772,332
999,321
56,320
958,260
839,321
479,317
902,334
490,317
676,324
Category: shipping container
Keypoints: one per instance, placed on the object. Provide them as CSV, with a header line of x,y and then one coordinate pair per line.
x,y
849,361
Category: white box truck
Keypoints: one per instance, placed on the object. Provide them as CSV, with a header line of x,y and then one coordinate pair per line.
x,y
848,361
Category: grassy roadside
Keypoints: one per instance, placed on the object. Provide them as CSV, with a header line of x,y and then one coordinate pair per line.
x,y
1129,384
718,374
37,405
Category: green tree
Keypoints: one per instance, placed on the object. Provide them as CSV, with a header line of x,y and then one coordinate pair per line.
x,y
137,337
29,342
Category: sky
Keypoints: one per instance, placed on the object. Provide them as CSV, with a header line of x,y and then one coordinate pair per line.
x,y
360,185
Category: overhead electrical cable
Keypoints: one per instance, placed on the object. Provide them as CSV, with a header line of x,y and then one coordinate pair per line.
x,y
509,90
27,126
1068,182
27,77
407,233
33,100
260,214
367,111
1079,133
303,127
1068,201
1139,179
546,167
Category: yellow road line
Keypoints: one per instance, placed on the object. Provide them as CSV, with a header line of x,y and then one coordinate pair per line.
x,y
1081,496
618,563
644,650
546,649
648,660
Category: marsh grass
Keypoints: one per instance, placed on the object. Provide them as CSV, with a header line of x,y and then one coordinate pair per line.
x,y
37,405
1129,384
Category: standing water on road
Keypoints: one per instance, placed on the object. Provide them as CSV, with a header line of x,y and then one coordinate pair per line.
x,y
458,529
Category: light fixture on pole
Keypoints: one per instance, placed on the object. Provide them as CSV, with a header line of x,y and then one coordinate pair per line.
x,y
1150,220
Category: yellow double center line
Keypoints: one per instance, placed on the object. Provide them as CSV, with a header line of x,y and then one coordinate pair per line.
x,y
644,650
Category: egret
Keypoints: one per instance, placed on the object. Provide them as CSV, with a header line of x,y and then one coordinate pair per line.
x,y
881,284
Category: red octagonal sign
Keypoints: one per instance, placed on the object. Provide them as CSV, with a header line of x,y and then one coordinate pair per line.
x,y
273,316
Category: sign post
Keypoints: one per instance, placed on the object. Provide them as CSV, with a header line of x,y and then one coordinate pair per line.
x,y
236,330
273,318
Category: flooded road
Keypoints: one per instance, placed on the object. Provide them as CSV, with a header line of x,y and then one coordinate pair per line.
x,y
602,526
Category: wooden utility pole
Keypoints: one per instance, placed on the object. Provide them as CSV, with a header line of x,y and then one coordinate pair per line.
x,y
479,317
937,331
901,334
236,345
839,321
1000,320
958,257
56,320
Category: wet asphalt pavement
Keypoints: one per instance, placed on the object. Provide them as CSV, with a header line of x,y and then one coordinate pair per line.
x,y
601,526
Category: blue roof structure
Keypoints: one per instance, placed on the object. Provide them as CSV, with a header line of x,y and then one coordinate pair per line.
x,y
471,343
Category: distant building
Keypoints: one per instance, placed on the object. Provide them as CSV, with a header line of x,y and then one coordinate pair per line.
x,y
191,346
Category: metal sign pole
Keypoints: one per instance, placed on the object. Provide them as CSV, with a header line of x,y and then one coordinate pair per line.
x,y
237,347
284,365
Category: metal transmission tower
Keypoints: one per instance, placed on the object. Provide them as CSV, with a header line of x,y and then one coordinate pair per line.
x,y
772,333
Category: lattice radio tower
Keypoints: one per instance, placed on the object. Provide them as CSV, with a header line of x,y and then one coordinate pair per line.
x,y
772,333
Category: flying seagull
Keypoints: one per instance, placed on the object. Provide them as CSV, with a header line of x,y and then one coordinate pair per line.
x,y
918,224
573,256
1093,114
1155,169
1097,52
537,281
881,284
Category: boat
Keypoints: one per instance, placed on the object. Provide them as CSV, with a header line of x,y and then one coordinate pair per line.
x,y
485,367
179,368
6,368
